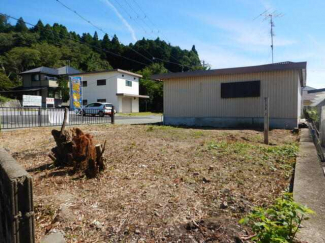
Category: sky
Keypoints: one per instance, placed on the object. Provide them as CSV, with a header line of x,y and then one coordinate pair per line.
x,y
226,33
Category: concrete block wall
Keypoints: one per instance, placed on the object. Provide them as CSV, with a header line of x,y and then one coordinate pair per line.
x,y
16,202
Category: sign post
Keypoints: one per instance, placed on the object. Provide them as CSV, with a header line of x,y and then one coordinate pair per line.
x,y
32,100
49,101
266,120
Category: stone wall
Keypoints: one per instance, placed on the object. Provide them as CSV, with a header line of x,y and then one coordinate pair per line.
x,y
11,103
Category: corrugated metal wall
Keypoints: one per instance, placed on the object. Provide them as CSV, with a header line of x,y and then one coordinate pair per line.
x,y
201,96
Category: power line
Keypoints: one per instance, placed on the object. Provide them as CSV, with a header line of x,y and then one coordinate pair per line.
x,y
145,15
83,18
100,29
84,43
136,13
132,9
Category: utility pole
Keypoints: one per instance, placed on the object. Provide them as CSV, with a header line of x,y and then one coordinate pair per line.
x,y
272,34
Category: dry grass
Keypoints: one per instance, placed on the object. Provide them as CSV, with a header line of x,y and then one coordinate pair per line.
x,y
161,183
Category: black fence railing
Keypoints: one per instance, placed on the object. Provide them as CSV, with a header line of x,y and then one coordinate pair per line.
x,y
38,117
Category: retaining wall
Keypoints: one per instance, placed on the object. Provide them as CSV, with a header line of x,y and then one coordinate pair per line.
x,y
16,202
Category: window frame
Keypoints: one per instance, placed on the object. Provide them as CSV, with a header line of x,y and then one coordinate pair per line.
x,y
101,80
98,100
241,89
128,82
83,84
39,77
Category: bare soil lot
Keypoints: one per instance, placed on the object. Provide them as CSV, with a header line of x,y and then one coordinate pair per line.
x,y
161,183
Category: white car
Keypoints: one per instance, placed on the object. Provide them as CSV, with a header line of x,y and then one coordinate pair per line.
x,y
100,109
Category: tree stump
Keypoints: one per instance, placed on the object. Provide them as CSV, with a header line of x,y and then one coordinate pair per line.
x,y
78,150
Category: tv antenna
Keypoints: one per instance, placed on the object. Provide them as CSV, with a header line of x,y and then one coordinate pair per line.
x,y
271,16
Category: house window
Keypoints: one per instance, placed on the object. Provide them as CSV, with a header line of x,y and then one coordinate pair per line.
x,y
128,83
84,83
101,100
241,89
84,102
101,82
35,77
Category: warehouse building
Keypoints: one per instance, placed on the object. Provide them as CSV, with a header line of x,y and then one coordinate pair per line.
x,y
234,97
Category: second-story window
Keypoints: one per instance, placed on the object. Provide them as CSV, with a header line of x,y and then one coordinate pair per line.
x,y
101,82
128,83
84,83
35,77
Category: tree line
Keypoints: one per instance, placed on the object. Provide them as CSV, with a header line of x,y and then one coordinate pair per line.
x,y
23,48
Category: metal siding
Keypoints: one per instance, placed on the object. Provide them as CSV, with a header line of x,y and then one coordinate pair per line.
x,y
201,96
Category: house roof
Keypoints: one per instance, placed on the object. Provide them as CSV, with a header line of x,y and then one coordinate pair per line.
x,y
307,88
113,70
316,91
23,89
239,70
45,70
65,70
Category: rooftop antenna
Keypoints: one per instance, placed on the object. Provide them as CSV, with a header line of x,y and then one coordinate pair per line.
x,y
271,16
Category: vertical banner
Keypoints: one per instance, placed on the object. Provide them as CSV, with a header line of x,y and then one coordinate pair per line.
x,y
75,93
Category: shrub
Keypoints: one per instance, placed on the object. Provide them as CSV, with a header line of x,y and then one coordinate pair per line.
x,y
4,99
278,223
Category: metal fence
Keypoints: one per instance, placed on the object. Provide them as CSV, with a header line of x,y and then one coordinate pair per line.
x,y
38,117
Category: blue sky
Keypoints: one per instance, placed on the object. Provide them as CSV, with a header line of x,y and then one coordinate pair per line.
x,y
225,32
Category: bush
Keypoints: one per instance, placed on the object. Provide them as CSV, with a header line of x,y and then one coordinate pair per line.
x,y
278,223
4,99
313,114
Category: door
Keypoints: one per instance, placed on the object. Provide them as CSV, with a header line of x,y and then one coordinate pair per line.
x,y
126,105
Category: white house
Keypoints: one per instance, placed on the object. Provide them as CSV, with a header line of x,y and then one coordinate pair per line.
x,y
119,87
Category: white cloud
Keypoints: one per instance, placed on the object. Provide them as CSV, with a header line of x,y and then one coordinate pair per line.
x,y
119,15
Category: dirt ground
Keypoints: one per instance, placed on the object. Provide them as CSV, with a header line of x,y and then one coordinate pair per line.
x,y
162,184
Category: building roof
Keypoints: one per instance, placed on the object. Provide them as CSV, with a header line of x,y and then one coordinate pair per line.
x,y
45,70
65,70
307,88
239,70
23,89
132,95
316,91
113,70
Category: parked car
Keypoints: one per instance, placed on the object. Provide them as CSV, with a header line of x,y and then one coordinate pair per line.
x,y
100,109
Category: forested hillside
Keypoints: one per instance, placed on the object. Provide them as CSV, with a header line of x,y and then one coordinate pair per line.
x,y
23,47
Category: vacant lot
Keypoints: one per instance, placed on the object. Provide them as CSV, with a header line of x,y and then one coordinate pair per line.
x,y
161,183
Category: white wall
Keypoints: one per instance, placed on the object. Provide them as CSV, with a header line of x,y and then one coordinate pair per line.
x,y
122,88
135,104
93,92
115,83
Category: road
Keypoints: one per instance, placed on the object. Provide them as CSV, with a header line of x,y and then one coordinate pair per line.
x,y
32,119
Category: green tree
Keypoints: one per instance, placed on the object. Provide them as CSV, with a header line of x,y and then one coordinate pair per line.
x,y
6,42
38,27
4,24
5,82
23,58
21,26
152,88
49,54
